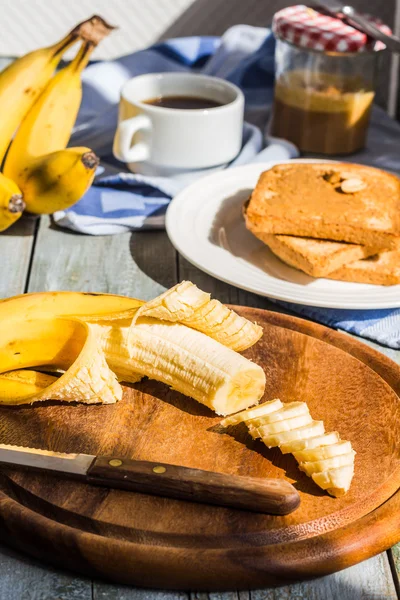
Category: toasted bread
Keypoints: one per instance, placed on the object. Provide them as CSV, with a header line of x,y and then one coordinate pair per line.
x,y
381,269
315,257
341,202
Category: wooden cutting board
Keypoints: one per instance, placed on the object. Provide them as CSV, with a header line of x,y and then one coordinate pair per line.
x,y
158,542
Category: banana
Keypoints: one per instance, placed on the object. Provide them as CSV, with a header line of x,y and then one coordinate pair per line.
x,y
287,411
335,481
58,180
184,359
326,439
322,456
189,362
22,82
47,126
186,304
22,383
319,466
11,202
285,425
65,344
322,452
83,305
252,413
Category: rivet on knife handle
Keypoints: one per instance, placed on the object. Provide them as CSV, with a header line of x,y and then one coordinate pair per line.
x,y
273,496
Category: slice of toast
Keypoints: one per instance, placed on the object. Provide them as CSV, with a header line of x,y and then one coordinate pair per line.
x,y
342,202
315,257
381,269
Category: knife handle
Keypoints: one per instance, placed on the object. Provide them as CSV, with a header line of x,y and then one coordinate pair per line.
x,y
273,496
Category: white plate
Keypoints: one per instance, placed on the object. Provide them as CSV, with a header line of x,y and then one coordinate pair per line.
x,y
205,224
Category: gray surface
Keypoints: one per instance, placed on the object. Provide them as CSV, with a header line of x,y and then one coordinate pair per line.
x,y
142,265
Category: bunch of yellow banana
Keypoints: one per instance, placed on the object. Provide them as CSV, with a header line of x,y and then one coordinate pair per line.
x,y
290,427
97,339
42,109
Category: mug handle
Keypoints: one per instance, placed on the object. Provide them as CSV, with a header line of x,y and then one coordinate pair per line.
x,y
122,148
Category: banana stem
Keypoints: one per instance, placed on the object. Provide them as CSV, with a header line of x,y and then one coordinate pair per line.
x,y
91,30
90,160
16,204
82,58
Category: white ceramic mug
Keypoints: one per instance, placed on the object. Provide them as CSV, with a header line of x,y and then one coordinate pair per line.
x,y
154,140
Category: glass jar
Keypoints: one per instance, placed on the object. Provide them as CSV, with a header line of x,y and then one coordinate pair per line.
x,y
323,99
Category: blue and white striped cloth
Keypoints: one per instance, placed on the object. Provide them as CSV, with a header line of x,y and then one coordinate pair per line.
x,y
121,201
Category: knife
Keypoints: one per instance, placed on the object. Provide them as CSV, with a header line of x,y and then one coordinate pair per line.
x,y
273,496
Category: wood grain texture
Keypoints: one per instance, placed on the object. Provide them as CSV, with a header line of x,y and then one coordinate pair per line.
x,y
113,264
27,579
183,545
16,245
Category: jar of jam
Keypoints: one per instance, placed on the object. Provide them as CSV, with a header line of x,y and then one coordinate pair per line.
x,y
325,81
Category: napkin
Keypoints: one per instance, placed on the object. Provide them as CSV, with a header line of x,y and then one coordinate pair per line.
x,y
120,201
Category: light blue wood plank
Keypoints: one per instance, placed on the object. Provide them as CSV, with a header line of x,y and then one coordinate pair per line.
x,y
24,579
109,591
141,265
15,249
370,580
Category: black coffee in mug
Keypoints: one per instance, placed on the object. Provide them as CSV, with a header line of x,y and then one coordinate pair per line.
x,y
183,102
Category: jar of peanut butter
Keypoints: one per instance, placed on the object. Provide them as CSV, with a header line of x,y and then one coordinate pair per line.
x,y
325,81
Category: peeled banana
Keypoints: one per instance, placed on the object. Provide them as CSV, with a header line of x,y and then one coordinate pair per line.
x,y
322,456
11,202
187,360
186,304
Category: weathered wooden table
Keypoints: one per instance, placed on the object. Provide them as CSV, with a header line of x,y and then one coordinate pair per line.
x,y
38,257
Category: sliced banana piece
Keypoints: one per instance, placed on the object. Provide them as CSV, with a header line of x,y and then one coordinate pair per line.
x,y
318,466
326,439
291,428
186,304
285,425
311,430
335,481
288,411
323,452
253,413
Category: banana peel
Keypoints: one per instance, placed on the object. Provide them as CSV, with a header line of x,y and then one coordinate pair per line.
x,y
66,344
132,345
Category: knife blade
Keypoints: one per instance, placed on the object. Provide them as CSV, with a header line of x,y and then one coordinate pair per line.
x,y
265,495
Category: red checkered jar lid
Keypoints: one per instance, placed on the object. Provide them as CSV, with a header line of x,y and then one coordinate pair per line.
x,y
307,28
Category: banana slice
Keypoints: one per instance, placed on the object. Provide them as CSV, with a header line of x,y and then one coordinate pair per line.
x,y
308,431
335,481
323,452
252,413
64,344
288,411
286,425
334,462
323,456
325,439
186,304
